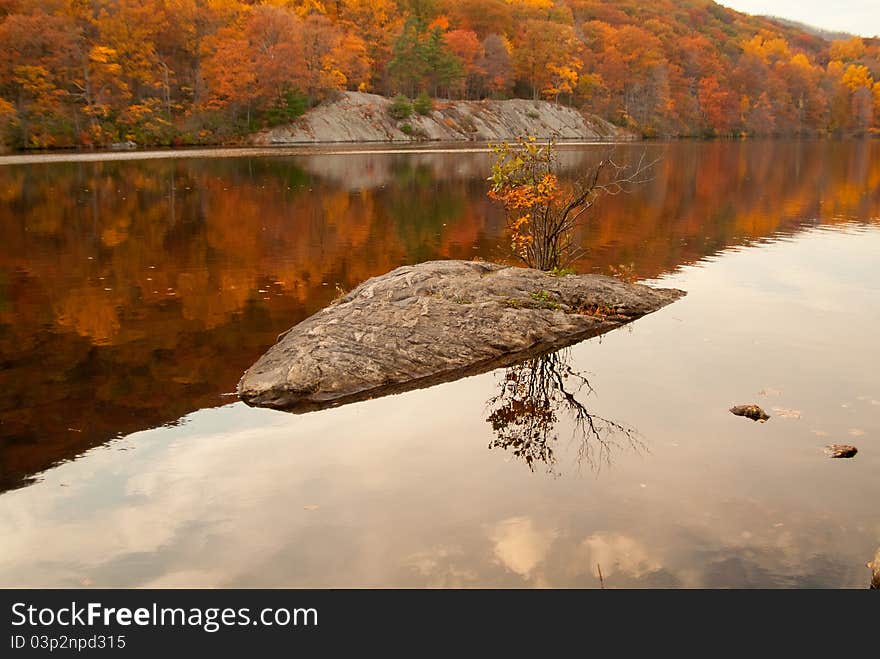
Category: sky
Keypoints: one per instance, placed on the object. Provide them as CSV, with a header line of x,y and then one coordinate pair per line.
x,y
860,17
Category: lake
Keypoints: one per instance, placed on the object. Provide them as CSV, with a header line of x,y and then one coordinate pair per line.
x,y
134,293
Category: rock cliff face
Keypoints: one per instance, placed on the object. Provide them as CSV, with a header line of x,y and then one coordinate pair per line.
x,y
359,117
437,321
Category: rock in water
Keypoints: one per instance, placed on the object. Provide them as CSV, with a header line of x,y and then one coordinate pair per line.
x,y
841,450
433,322
875,569
752,412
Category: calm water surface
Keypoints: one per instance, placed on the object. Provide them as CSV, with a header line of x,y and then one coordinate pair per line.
x,y
134,294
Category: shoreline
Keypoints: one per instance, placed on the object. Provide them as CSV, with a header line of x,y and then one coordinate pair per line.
x,y
310,149
347,148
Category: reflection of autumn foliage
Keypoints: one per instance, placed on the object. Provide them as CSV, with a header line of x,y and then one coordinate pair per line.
x,y
134,293
90,316
208,262
704,197
526,414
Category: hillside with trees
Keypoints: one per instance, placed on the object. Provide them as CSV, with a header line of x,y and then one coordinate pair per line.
x,y
176,72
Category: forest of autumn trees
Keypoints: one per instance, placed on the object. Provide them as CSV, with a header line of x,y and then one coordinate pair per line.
x,y
94,72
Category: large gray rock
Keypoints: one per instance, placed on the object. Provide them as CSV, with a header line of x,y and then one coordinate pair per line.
x,y
434,322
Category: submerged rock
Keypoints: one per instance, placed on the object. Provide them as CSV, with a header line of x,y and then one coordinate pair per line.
x,y
752,412
841,451
434,322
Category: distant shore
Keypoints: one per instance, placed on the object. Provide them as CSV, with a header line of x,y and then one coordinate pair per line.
x,y
327,148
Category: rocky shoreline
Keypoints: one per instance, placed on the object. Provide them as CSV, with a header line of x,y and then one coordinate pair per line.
x,y
361,117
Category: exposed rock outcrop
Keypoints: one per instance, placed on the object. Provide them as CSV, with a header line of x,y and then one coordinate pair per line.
x,y
434,322
360,117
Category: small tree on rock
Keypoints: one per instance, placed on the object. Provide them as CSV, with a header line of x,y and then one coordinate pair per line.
x,y
423,104
542,213
401,108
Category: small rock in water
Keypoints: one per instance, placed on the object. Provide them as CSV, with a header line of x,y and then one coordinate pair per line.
x,y
752,412
875,567
841,450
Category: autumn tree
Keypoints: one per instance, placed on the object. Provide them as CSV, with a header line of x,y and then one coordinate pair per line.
x,y
39,58
8,122
466,46
542,213
330,59
496,66
375,23
275,40
634,71
545,55
717,104
230,72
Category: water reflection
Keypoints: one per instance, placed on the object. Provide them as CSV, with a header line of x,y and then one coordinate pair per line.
x,y
525,415
401,491
133,293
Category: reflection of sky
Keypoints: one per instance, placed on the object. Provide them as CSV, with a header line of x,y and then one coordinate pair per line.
x,y
402,491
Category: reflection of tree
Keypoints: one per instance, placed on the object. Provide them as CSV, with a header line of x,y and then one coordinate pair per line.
x,y
534,395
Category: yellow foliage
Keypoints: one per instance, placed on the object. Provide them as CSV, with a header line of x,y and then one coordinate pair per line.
x,y
857,77
801,61
767,49
103,55
532,4
847,50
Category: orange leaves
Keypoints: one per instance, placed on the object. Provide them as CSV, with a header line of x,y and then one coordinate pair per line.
x,y
465,45
230,77
716,103
350,57
527,195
